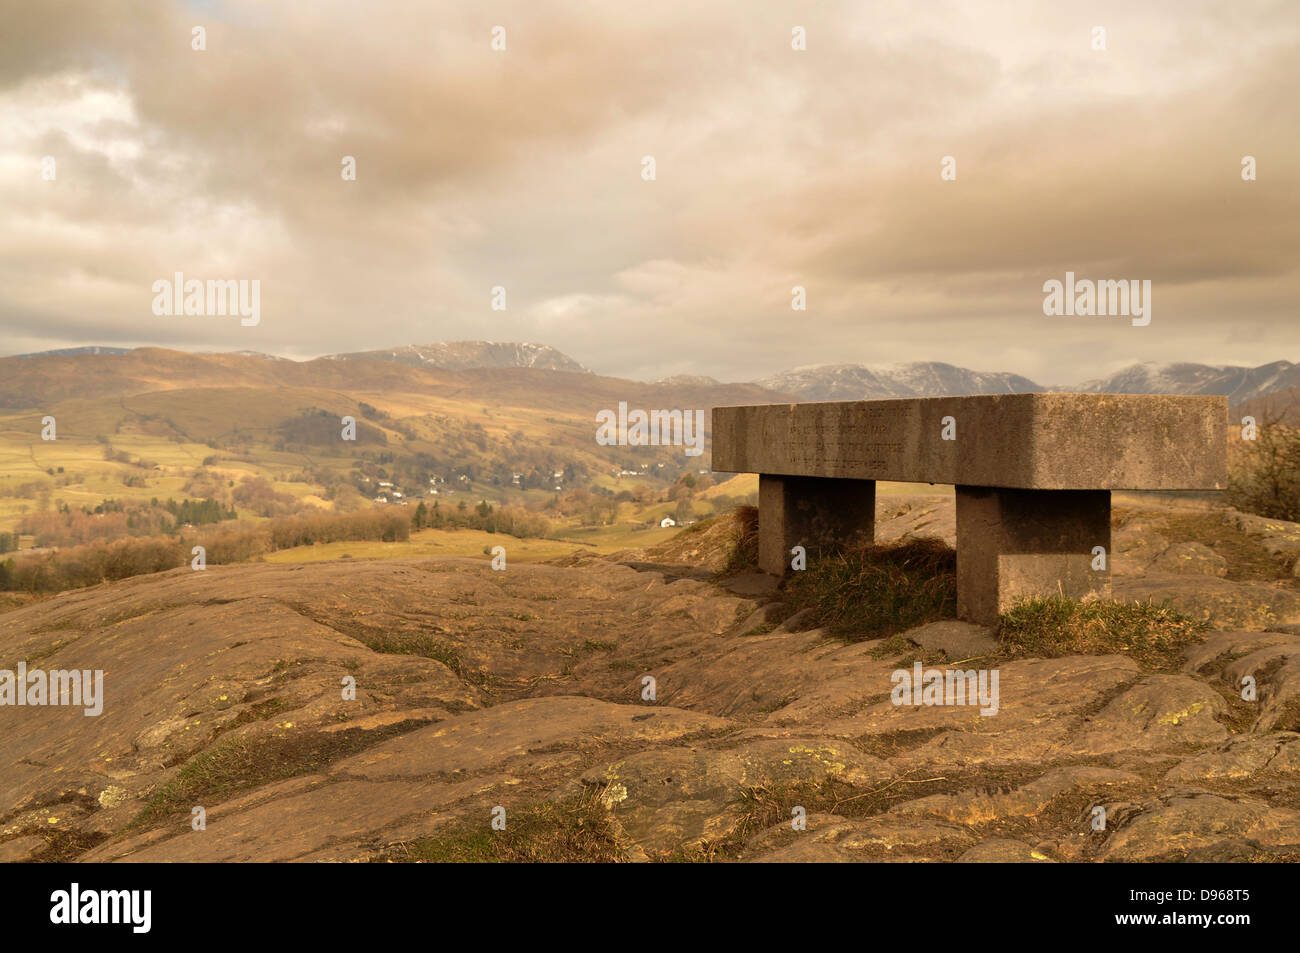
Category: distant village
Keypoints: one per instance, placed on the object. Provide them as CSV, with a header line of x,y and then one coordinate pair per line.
x,y
390,491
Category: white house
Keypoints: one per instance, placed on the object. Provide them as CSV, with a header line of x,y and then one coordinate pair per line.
x,y
667,521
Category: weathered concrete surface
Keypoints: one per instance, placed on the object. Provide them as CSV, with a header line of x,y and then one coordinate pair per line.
x,y
1022,441
821,515
1033,474
1012,544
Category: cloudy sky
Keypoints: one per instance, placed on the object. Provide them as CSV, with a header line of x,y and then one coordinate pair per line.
x,y
774,167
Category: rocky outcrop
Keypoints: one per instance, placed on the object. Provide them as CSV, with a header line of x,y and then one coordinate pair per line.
x,y
689,715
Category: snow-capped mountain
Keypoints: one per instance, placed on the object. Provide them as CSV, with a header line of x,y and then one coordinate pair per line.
x,y
934,379
837,381
1238,383
91,350
463,355
689,380
918,379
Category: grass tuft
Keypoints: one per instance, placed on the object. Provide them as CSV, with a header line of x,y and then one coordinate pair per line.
x,y
578,830
241,763
743,555
1152,635
879,590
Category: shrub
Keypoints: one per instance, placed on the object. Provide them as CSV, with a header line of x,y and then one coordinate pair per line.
x,y
259,496
1264,473
388,526
91,564
235,544
88,565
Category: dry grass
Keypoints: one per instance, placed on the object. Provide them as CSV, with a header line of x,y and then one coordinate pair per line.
x,y
241,763
743,556
879,590
573,831
1152,635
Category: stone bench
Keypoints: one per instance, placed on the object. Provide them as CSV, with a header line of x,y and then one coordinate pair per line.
x,y
1033,475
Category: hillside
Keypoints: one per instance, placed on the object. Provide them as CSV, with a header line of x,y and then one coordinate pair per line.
x,y
1282,405
152,423
105,371
39,381
158,423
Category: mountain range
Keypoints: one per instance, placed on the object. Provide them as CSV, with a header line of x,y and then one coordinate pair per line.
x,y
825,381
466,355
934,379
1239,384
920,379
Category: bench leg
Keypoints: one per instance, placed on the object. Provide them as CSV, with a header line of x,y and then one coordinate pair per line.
x,y
821,514
1015,544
